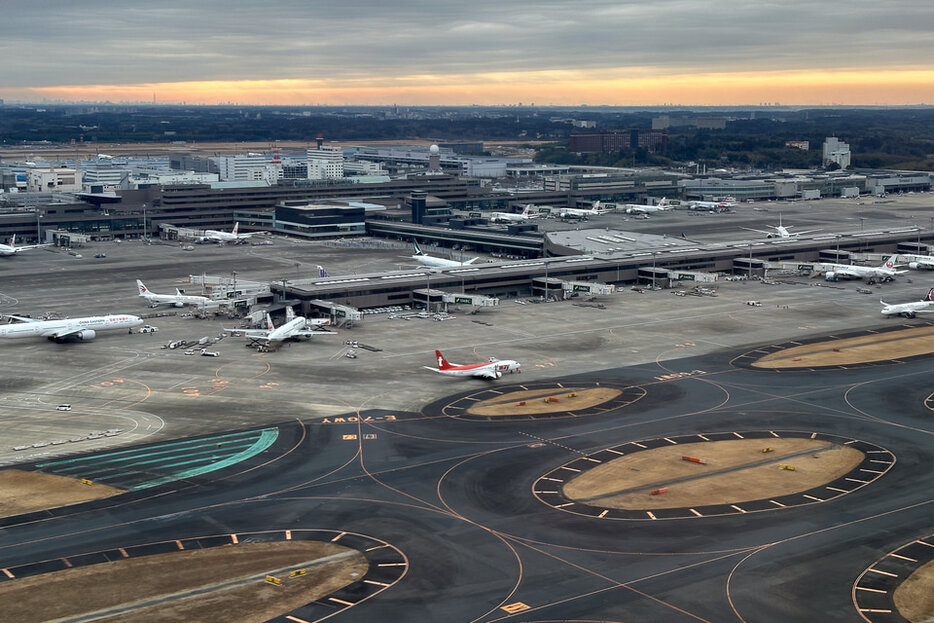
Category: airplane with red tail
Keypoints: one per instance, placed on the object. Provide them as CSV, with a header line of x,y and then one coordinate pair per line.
x,y
492,369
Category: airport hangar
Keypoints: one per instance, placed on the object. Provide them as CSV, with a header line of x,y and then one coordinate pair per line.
x,y
614,257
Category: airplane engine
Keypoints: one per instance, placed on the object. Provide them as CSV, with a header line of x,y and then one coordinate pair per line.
x,y
910,314
86,335
830,275
498,374
913,265
179,304
770,236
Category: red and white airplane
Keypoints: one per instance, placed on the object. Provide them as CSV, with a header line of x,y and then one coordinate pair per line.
x,y
493,369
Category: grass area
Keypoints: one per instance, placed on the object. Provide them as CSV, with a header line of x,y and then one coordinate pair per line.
x,y
536,401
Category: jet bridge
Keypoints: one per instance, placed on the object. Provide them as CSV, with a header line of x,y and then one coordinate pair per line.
x,y
545,287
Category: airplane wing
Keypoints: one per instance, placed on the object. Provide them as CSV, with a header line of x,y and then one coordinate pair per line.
x,y
767,233
250,333
23,319
432,369
486,373
810,231
309,333
845,272
63,332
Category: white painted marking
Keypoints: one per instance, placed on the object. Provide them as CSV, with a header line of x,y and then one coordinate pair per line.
x,y
670,441
777,503
391,564
592,460
234,539
883,462
376,583
651,516
540,492
811,497
899,556
871,590
813,435
704,438
846,443
288,535
563,505
735,507
891,575
695,512
603,514
837,490
636,443
772,432
871,471
738,435
551,479
338,537
924,543
340,601
570,469
859,481
615,451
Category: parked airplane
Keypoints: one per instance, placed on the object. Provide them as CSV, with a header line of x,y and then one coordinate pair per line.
x,y
213,235
594,210
909,310
637,208
178,299
780,230
322,273
493,369
12,249
512,217
871,274
919,262
295,326
81,329
437,262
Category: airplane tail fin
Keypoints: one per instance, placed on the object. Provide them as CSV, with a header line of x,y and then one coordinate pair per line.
x,y
236,227
269,324
442,362
13,241
289,313
143,291
322,272
930,296
528,210
418,250
890,263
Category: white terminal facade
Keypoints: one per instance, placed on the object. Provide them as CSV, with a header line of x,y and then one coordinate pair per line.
x,y
325,163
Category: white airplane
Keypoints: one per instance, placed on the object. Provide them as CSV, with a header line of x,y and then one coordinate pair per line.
x,y
711,205
81,329
437,262
295,326
919,262
909,310
886,272
493,369
780,231
512,217
638,208
213,235
178,299
594,210
12,249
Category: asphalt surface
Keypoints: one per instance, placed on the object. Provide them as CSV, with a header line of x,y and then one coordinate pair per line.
x,y
365,447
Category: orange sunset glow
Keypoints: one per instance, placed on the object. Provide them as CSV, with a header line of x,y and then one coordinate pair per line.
x,y
637,88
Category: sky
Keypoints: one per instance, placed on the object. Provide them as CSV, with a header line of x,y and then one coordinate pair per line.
x,y
485,52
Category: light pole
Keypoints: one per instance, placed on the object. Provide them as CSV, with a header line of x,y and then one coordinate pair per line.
x,y
428,295
145,236
38,235
749,266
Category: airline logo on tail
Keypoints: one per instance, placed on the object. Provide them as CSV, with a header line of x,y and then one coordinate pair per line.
x,y
930,296
321,272
143,291
418,250
236,227
269,324
444,365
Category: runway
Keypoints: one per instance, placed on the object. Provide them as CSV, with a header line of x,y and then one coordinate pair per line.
x,y
456,498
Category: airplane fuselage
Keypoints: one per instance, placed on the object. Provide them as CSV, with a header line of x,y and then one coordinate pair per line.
x,y
80,328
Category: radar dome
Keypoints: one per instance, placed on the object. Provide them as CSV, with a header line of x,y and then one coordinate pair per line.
x,y
434,149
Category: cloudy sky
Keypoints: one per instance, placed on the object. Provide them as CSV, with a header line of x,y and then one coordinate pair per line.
x,y
567,52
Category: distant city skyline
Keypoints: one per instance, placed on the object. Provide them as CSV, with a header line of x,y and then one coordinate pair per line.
x,y
410,52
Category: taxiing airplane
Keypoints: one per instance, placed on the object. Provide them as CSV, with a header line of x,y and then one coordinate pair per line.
x,y
512,217
80,329
213,235
871,274
294,327
637,208
493,369
12,249
437,262
178,299
780,231
711,205
909,310
594,210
